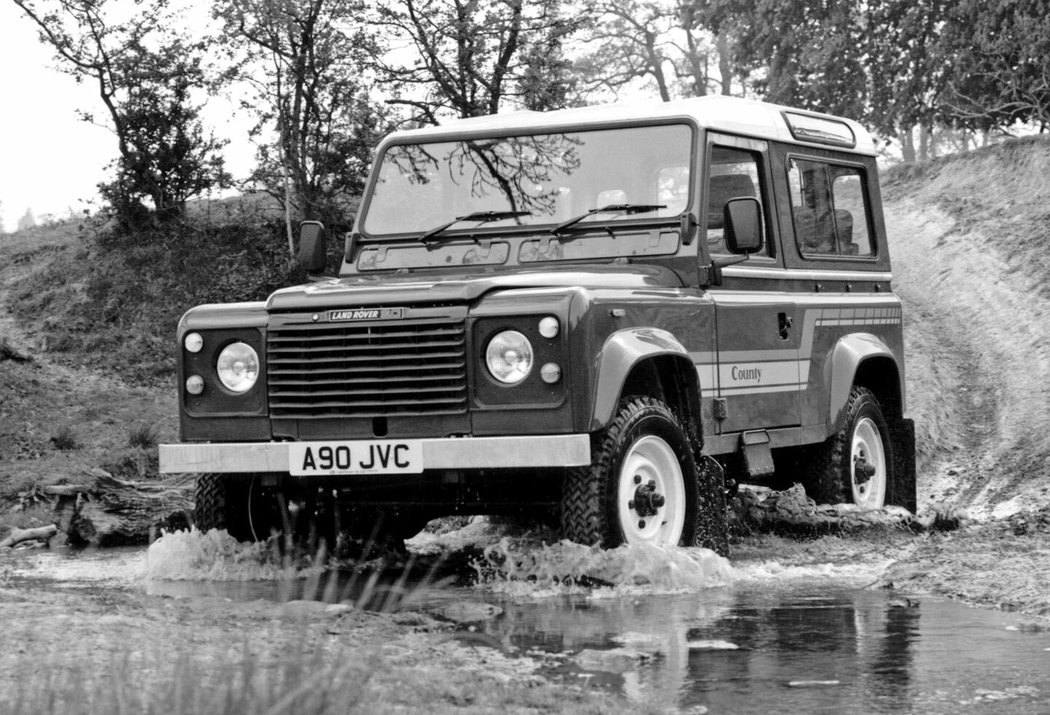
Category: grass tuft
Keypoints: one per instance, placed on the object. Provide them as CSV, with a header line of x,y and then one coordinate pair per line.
x,y
64,439
143,437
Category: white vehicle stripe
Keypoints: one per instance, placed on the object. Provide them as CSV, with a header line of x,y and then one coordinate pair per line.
x,y
746,372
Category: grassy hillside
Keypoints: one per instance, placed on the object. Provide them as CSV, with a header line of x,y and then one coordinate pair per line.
x,y
112,304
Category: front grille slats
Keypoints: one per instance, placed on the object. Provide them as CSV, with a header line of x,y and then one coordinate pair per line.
x,y
330,370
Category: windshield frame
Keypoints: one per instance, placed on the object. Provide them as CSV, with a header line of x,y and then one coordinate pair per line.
x,y
467,232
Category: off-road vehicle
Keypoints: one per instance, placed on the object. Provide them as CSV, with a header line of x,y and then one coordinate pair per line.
x,y
605,316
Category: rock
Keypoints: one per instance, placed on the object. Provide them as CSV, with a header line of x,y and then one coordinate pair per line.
x,y
304,609
615,660
470,612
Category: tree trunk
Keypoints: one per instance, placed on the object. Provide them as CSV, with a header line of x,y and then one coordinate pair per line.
x,y
908,145
725,69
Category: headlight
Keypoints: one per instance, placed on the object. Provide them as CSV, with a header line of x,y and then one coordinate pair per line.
x,y
238,367
509,357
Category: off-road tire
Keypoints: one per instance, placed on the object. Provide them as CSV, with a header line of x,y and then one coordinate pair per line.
x,y
236,503
829,471
589,509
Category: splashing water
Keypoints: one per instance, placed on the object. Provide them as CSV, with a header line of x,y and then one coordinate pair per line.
x,y
525,568
216,556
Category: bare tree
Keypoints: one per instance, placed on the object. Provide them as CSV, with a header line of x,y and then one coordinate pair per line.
x,y
306,60
671,46
468,56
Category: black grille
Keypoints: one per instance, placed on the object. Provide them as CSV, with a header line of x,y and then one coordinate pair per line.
x,y
402,368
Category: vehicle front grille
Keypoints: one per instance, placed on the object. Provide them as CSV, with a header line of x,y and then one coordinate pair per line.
x,y
402,368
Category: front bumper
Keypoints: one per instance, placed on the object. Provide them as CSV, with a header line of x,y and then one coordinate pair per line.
x,y
549,451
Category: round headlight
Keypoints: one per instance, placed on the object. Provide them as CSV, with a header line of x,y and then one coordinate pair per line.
x,y
509,357
238,367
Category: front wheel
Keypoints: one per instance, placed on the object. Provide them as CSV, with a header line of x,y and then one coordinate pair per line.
x,y
238,503
643,485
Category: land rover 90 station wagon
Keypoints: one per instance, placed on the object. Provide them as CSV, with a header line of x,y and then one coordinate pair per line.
x,y
604,316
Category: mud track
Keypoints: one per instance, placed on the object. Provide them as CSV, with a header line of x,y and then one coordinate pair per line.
x,y
978,368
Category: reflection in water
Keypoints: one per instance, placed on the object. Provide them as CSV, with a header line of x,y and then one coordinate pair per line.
x,y
749,651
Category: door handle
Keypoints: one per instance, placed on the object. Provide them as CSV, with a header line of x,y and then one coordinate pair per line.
x,y
784,323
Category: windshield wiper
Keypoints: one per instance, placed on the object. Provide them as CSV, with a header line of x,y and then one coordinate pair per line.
x,y
609,208
478,216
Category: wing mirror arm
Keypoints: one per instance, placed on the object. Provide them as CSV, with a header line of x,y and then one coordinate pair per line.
x,y
688,228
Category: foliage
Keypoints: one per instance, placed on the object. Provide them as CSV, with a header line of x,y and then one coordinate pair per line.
x,y
169,159
144,72
807,54
469,57
1000,70
317,124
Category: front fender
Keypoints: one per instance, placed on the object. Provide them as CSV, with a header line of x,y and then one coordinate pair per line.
x,y
847,358
622,351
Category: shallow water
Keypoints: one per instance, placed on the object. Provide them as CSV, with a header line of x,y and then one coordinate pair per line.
x,y
681,629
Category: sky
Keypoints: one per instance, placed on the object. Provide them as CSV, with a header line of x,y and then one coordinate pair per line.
x,y
50,160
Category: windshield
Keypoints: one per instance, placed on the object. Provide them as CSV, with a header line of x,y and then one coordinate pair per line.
x,y
542,179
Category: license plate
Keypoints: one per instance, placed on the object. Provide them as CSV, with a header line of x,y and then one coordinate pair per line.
x,y
371,457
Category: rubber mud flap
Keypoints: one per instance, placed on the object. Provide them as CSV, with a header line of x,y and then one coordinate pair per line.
x,y
712,527
903,487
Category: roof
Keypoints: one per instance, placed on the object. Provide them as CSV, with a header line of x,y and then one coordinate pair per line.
x,y
728,114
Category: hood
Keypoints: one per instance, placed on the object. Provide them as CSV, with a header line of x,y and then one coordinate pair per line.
x,y
461,288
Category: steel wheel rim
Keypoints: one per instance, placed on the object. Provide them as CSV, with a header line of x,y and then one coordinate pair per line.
x,y
652,460
868,446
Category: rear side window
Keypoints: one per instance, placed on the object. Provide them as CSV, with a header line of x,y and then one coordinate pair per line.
x,y
828,209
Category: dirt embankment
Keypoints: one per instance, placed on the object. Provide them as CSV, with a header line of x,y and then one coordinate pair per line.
x,y
968,237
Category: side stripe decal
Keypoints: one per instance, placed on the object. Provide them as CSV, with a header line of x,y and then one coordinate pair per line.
x,y
749,372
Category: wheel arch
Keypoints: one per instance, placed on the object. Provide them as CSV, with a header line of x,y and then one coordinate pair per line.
x,y
866,361
646,361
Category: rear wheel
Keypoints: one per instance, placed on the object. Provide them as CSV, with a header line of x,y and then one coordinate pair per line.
x,y
643,485
856,464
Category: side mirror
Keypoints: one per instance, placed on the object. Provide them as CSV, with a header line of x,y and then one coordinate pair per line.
x,y
743,225
312,249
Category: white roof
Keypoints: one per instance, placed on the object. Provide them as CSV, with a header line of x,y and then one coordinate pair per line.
x,y
728,114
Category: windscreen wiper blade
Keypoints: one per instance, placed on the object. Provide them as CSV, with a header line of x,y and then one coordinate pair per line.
x,y
608,208
478,216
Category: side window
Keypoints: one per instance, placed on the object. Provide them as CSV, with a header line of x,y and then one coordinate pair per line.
x,y
734,173
828,209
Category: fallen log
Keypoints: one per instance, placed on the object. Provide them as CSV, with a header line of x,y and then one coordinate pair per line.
x,y
104,509
39,533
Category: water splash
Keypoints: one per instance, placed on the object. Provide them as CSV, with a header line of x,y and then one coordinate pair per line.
x,y
216,556
525,568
